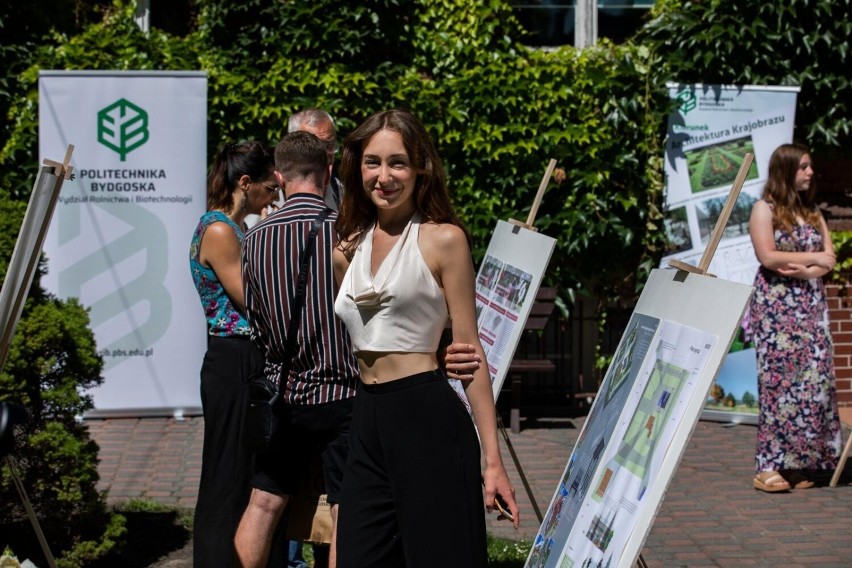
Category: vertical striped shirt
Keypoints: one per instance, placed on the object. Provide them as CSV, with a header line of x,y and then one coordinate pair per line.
x,y
324,368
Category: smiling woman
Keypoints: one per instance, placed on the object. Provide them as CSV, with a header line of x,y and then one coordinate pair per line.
x,y
404,268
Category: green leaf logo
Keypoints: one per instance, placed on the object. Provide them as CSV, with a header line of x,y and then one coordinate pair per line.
x,y
122,127
686,99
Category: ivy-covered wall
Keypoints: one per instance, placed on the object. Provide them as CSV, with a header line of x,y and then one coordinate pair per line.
x,y
498,112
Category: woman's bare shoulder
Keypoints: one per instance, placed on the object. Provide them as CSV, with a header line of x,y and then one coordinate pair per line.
x,y
762,209
220,232
444,235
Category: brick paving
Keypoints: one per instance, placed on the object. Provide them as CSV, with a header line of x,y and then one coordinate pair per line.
x,y
710,516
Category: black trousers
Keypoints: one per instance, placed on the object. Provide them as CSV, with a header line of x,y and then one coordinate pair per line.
x,y
226,466
412,490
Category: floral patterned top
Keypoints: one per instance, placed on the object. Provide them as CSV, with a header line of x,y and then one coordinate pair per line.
x,y
223,318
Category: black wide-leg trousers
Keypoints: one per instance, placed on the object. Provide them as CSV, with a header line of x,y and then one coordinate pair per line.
x,y
412,489
226,466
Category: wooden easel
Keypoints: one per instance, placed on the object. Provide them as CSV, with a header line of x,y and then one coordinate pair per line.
x,y
704,264
19,277
721,223
537,201
528,225
712,244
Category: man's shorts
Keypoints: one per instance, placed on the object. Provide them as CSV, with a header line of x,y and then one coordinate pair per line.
x,y
303,431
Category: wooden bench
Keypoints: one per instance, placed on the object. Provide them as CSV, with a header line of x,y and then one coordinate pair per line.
x,y
540,314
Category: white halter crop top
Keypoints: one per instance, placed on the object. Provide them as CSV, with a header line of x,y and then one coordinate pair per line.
x,y
401,308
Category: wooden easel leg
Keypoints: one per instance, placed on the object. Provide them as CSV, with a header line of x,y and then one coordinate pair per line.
x,y
841,463
520,470
640,562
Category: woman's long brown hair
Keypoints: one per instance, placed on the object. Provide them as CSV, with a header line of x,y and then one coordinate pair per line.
x,y
357,211
780,189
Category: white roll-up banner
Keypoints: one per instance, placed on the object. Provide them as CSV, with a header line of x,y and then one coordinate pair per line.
x,y
119,239
709,131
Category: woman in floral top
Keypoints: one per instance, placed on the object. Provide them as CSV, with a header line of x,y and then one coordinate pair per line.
x,y
798,430
241,182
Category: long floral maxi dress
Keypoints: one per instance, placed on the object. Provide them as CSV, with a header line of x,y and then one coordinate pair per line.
x,y
798,426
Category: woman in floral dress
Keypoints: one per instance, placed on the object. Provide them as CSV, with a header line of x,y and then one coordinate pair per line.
x,y
798,430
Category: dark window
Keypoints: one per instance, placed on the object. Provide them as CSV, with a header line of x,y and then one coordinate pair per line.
x,y
176,17
551,22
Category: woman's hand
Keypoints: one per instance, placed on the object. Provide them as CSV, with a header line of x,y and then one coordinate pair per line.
x,y
461,361
497,482
825,260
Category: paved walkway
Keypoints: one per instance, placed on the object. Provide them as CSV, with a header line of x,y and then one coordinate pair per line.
x,y
710,516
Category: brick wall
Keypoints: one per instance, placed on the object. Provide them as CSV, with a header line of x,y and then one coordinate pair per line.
x,y
840,314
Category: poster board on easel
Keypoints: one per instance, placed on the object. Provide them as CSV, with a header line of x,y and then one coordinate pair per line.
x,y
507,284
643,416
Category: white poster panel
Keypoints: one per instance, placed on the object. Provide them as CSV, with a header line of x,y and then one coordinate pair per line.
x,y
506,286
709,133
641,420
120,236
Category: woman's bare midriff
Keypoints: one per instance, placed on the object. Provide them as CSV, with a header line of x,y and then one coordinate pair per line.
x,y
385,367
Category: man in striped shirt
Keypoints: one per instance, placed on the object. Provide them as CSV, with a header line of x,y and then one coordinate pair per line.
x,y
318,391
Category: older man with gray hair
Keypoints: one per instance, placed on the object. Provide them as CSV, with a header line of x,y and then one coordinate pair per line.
x,y
319,123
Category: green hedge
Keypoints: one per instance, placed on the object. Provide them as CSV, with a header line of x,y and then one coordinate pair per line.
x,y
797,43
498,112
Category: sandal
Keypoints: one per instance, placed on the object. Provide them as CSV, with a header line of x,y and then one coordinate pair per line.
x,y
797,480
771,482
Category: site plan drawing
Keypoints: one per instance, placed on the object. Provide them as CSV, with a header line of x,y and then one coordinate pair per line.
x,y
626,438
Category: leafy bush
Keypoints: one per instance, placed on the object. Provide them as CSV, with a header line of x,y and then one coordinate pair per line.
x,y
803,43
497,110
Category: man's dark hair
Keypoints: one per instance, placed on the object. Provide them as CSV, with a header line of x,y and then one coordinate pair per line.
x,y
302,155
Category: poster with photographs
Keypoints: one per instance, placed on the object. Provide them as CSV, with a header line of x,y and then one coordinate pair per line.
x,y
506,285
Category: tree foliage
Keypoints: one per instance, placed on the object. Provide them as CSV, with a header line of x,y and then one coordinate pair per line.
x,y
801,43
497,111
